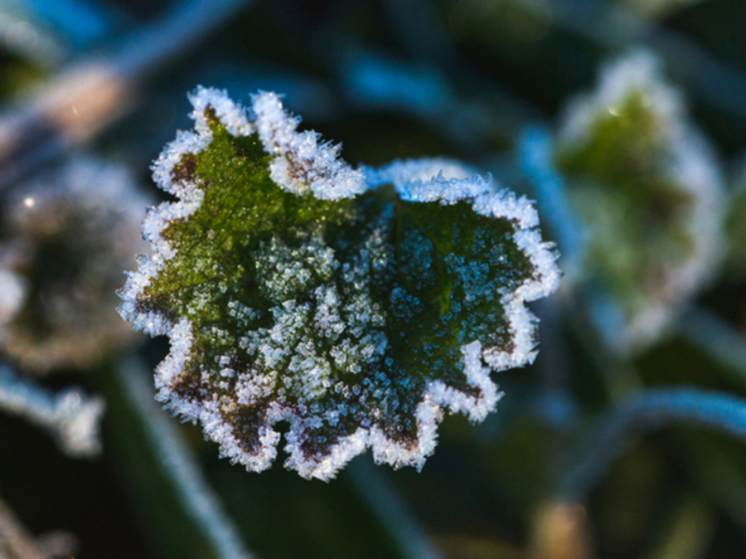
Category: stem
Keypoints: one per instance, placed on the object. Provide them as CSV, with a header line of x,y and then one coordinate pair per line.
x,y
154,45
555,403
535,149
648,411
36,42
716,337
179,463
71,416
384,501
83,100
690,534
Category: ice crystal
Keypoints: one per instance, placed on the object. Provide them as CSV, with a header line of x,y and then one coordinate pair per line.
x,y
354,305
64,239
649,189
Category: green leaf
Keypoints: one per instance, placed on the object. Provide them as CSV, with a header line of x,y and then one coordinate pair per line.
x,y
352,304
649,189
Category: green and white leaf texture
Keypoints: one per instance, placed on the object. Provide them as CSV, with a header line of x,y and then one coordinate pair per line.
x,y
353,305
649,189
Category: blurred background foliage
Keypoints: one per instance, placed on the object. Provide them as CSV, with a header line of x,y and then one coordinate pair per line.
x,y
582,459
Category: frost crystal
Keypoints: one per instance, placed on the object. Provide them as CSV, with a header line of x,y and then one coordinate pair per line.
x,y
649,188
296,289
63,240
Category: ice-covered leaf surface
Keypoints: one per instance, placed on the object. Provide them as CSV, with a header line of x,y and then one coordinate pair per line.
x,y
649,189
352,304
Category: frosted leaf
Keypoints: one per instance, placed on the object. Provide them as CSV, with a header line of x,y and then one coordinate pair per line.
x,y
64,238
353,311
649,188
301,163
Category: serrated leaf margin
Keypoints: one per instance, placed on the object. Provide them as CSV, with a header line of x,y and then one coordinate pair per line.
x,y
416,181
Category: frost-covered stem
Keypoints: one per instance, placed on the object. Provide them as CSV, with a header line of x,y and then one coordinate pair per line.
x,y
198,499
81,101
555,403
373,80
35,42
80,23
383,500
716,337
14,538
422,31
151,46
71,416
612,27
650,410
535,152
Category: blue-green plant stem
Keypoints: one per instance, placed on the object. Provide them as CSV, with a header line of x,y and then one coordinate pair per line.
x,y
424,91
197,498
421,30
151,46
38,43
642,413
80,22
712,334
536,160
384,501
40,128
555,403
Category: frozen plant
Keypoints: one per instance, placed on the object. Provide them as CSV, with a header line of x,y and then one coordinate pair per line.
x,y
648,188
70,415
354,304
64,239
